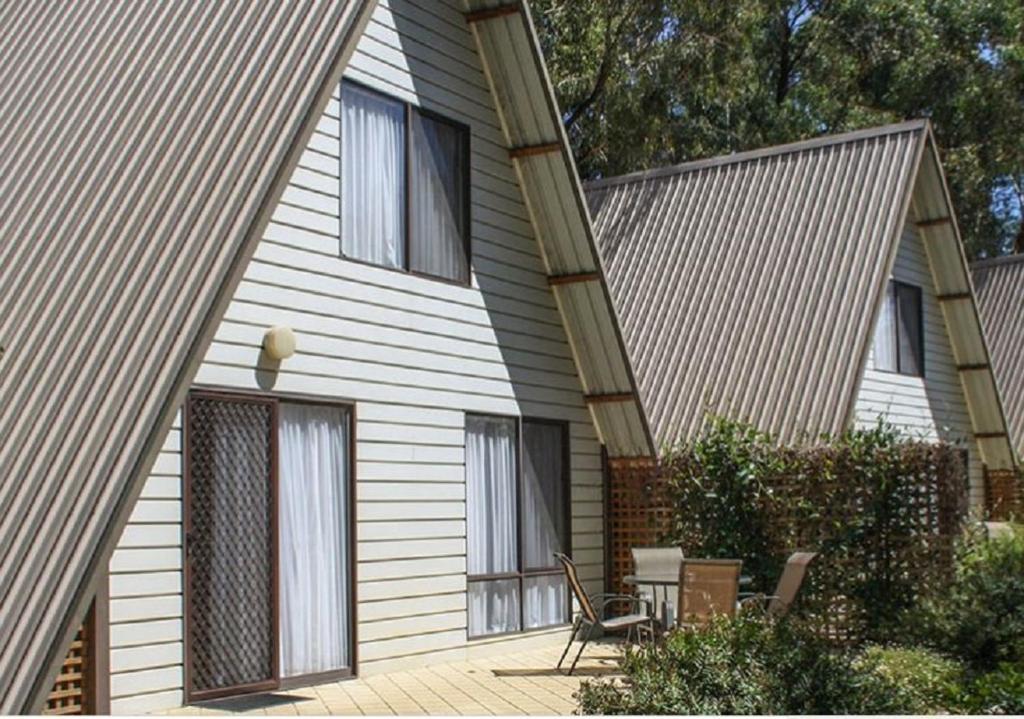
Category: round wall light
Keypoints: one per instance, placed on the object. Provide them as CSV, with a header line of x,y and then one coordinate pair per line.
x,y
279,343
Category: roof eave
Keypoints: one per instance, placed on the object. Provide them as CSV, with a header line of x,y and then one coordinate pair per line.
x,y
513,63
935,218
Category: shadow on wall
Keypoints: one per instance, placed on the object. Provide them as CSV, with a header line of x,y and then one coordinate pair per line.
x,y
521,308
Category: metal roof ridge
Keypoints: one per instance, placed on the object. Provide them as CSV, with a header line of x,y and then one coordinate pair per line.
x,y
919,125
989,262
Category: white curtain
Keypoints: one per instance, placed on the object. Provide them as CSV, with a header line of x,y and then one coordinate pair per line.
x,y
438,199
885,333
546,602
372,177
491,523
313,451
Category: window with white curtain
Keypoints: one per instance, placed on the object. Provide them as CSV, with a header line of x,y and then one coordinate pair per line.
x,y
899,337
405,186
517,516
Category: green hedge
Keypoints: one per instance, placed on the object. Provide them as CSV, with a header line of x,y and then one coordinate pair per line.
x,y
882,511
746,666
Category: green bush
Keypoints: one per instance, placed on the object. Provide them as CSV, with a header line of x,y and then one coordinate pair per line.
x,y
979,615
745,666
997,692
932,682
880,510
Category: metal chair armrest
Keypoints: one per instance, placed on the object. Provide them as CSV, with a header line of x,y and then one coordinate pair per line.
x,y
603,600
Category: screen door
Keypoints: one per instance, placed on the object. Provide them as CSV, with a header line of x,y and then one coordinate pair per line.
x,y
231,545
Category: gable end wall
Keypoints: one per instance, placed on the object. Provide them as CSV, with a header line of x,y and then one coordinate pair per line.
x,y
413,354
933,407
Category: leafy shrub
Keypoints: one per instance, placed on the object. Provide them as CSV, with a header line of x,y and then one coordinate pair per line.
x,y
722,493
998,692
879,508
744,666
979,615
932,682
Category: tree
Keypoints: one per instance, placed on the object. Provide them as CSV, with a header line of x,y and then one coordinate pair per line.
x,y
647,83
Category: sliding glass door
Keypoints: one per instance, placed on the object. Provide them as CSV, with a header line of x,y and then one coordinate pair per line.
x,y
517,508
269,543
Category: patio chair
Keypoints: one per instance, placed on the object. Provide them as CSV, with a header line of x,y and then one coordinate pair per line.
x,y
707,587
591,620
656,561
786,590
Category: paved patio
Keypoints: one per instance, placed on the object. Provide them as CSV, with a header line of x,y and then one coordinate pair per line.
x,y
512,684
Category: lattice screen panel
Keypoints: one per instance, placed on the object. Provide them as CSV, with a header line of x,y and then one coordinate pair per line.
x,y
70,692
639,514
231,544
1004,496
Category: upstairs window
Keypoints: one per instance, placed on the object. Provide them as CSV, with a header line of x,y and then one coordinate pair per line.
x,y
899,341
405,186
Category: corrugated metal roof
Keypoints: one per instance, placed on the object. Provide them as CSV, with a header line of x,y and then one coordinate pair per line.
x,y
748,285
532,123
142,148
1000,287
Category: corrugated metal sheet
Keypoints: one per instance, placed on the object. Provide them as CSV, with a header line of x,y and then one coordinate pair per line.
x,y
1000,287
512,60
142,148
748,285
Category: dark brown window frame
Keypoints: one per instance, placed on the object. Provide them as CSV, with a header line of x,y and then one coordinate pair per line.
x,y
527,572
892,290
466,133
277,398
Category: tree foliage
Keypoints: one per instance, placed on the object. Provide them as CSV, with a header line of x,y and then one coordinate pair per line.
x,y
646,83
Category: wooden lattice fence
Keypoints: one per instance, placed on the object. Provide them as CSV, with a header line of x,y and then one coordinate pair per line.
x,y
1004,496
880,541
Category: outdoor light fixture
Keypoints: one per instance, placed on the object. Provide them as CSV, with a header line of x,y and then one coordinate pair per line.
x,y
279,343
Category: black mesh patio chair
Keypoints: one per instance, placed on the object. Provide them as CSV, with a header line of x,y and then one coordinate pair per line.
x,y
590,620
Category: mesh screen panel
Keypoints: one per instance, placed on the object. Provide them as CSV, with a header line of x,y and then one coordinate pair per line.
x,y
231,544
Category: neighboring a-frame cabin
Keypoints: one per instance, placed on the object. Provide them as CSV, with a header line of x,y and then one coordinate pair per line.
x,y
999,283
305,339
806,288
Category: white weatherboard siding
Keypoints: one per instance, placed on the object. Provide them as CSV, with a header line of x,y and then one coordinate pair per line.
x,y
146,629
932,407
412,353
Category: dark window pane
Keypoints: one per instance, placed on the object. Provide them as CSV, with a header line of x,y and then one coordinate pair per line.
x,y
885,333
544,500
438,199
911,350
372,177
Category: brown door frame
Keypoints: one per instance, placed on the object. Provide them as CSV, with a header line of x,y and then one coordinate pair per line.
x,y
190,694
275,399
97,697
